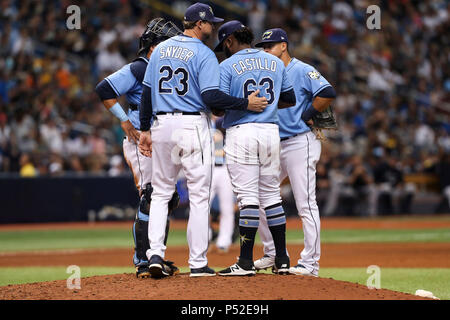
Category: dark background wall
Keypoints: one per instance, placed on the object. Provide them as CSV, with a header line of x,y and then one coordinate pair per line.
x,y
62,199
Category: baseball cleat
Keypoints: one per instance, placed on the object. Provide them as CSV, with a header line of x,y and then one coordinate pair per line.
x,y
281,265
156,267
202,272
301,271
241,268
170,268
142,272
264,263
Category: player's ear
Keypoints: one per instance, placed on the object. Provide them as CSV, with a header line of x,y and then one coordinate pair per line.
x,y
150,50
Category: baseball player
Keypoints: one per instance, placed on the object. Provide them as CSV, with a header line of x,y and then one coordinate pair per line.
x,y
252,142
181,84
300,152
128,81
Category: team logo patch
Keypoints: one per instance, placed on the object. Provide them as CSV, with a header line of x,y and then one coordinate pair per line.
x,y
314,75
266,35
202,14
210,10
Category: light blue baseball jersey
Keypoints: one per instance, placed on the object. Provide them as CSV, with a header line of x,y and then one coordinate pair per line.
x,y
123,82
179,71
308,83
245,72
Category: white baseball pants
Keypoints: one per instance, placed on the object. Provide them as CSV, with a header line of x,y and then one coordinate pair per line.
x,y
181,142
253,161
221,186
140,165
299,156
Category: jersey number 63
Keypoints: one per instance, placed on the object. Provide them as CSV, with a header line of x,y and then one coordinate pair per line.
x,y
267,83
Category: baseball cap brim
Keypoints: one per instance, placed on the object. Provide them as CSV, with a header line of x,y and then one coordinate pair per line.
x,y
260,44
219,47
216,20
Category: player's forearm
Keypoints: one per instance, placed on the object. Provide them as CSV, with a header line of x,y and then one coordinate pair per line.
x,y
145,108
220,100
320,103
324,98
109,99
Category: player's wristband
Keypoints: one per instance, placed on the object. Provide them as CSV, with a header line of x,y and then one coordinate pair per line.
x,y
309,113
117,110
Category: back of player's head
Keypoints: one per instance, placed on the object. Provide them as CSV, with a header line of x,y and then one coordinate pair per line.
x,y
243,34
157,30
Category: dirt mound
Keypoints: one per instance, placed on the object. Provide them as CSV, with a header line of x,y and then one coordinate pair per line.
x,y
182,287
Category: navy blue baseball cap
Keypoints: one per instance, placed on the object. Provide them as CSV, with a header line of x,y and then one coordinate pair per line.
x,y
200,11
273,35
225,31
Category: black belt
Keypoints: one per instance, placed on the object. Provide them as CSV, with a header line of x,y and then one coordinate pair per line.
x,y
134,107
178,112
285,138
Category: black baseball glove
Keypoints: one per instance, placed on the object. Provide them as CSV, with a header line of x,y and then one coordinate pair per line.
x,y
324,120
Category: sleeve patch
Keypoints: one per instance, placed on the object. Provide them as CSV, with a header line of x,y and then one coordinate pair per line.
x,y
314,75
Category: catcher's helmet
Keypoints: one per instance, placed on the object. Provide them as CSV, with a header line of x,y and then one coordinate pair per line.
x,y
157,30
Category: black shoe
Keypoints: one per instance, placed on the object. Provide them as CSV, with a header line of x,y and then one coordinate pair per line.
x,y
142,271
170,268
156,267
281,265
202,272
241,268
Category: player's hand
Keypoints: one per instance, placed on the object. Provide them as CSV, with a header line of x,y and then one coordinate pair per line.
x,y
255,103
130,131
145,144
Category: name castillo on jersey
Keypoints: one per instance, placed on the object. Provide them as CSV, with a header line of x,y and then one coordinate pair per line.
x,y
252,64
173,52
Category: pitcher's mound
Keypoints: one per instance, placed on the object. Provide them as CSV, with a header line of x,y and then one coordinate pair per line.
x,y
182,287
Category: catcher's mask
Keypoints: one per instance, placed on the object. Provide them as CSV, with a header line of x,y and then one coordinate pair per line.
x,y
157,31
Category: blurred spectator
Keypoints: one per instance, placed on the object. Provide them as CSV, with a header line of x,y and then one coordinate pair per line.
x,y
110,60
392,194
27,169
117,167
393,84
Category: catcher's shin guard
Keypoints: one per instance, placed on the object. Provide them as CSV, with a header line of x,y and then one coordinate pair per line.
x,y
173,203
140,234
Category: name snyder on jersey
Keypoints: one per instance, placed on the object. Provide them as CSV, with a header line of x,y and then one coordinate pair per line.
x,y
173,52
251,64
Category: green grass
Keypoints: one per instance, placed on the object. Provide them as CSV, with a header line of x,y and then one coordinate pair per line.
x,y
122,238
354,236
19,275
436,280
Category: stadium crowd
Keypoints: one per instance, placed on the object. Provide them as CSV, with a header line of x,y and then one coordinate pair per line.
x,y
393,88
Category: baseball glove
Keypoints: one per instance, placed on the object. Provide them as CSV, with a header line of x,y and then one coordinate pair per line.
x,y
324,120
